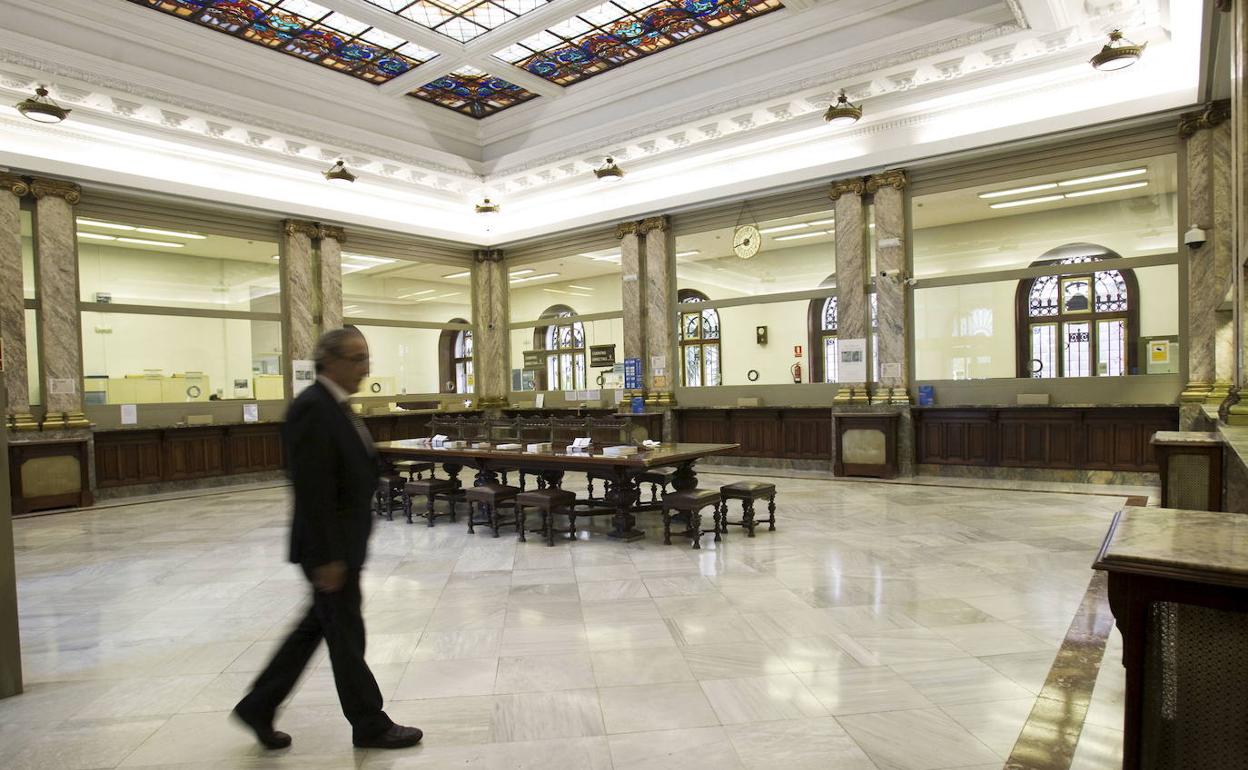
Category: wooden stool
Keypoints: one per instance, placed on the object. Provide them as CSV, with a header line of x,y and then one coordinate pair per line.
x,y
548,501
414,470
389,493
747,492
689,503
488,497
431,489
659,480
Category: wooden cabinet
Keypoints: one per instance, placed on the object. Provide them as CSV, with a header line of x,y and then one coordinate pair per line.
x,y
48,474
130,457
789,434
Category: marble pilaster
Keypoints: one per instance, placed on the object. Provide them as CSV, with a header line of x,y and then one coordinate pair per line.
x,y
330,267
658,311
851,276
490,315
891,258
1223,239
12,308
60,326
298,287
631,282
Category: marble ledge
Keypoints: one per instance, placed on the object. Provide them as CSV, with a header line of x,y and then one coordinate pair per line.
x,y
1200,546
1186,438
1043,406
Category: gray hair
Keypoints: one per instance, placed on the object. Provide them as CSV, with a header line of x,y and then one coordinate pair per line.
x,y
332,343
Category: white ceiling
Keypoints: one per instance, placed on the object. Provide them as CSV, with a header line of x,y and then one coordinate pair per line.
x,y
166,106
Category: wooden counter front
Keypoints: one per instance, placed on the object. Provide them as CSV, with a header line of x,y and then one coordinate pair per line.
x,y
782,432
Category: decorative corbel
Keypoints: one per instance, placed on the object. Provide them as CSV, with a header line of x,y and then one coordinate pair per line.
x,y
1213,114
488,255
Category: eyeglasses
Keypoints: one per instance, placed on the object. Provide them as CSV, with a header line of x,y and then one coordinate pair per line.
x,y
360,359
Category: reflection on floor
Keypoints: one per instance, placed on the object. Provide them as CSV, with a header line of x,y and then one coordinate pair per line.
x,y
882,626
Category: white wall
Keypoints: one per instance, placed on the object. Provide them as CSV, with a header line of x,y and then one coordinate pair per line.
x,y
786,327
140,277
603,295
408,357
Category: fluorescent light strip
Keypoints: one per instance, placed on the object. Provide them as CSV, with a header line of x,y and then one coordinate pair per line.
x,y
173,233
800,235
534,277
145,242
464,274
689,253
1100,190
97,223
1104,177
1018,190
819,222
369,258
440,296
417,293
555,291
522,271
97,236
277,256
582,288
783,228
1027,201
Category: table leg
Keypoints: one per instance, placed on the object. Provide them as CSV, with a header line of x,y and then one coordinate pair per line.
x,y
685,477
553,479
623,493
485,474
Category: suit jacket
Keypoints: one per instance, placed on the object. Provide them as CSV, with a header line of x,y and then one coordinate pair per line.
x,y
334,476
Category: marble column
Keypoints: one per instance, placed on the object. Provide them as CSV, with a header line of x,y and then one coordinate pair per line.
x,y
1223,238
851,276
10,641
298,287
12,307
60,323
659,310
330,266
490,316
891,257
1205,285
632,279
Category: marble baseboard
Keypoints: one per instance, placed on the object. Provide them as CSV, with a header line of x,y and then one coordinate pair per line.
x,y
1076,476
775,463
191,485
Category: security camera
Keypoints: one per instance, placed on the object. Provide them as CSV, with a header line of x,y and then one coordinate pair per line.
x,y
894,274
1195,238
912,281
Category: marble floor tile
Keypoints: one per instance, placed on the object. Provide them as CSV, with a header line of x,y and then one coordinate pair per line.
x,y
711,629
447,678
816,743
982,639
961,680
932,740
538,716
812,653
616,636
655,707
761,699
186,738
860,690
77,745
447,721
619,668
697,748
544,673
544,640
995,723
731,661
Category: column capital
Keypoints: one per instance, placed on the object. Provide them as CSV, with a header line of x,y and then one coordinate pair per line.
x,y
15,184
488,255
854,184
627,228
41,188
662,224
894,178
1211,115
300,227
331,231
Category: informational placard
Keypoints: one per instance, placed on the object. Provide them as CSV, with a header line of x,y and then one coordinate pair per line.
x,y
303,374
658,363
1159,352
540,400
533,359
853,366
62,387
251,412
129,414
890,371
632,373
601,356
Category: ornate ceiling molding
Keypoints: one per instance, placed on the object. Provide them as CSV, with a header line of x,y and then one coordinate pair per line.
x,y
627,228
653,224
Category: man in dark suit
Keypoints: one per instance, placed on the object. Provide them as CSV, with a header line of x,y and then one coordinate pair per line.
x,y
333,469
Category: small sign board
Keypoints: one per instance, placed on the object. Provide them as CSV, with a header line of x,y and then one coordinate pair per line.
x,y
533,359
601,356
632,373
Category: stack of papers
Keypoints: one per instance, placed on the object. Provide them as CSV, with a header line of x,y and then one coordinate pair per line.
x,y
619,451
543,447
482,445
455,444
438,441
508,446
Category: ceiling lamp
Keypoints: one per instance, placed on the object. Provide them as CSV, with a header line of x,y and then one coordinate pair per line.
x,y
338,174
609,171
1119,53
486,206
42,109
843,113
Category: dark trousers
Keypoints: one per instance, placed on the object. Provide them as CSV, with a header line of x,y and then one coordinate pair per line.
x,y
336,618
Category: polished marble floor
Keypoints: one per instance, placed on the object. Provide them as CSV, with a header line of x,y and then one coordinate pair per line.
x,y
882,626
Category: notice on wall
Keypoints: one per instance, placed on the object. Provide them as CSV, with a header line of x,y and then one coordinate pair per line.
x,y
62,387
890,371
853,366
129,414
303,374
540,400
251,412
601,356
1159,352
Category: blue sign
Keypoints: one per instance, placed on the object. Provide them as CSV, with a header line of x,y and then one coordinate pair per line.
x,y
927,395
632,373
639,405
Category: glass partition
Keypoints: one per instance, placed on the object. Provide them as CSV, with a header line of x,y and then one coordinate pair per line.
x,y
403,361
561,351
28,254
396,290
32,358
588,282
796,253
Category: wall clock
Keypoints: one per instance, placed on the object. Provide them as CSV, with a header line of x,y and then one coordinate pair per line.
x,y
746,241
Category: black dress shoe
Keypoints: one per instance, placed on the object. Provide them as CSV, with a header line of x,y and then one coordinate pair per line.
x,y
263,728
397,737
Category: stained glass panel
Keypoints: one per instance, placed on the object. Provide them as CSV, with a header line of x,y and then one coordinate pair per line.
x,y
1111,347
1043,363
616,33
1111,292
461,20
1078,347
306,30
830,359
472,92
693,366
829,317
1042,301
711,364
710,325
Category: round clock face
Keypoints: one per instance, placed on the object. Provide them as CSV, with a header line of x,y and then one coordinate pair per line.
x,y
746,241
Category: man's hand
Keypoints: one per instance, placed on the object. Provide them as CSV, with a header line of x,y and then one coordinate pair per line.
x,y
329,578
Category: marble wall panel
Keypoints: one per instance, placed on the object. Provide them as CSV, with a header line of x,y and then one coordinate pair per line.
x,y
1222,240
60,330
490,314
298,287
851,266
659,311
330,266
632,279
1202,269
12,310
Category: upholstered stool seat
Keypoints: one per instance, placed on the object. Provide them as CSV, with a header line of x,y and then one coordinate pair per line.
x,y
689,504
431,489
659,480
548,502
488,498
748,492
390,493
413,469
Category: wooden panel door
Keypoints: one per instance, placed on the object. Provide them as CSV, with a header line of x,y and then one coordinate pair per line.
x,y
123,458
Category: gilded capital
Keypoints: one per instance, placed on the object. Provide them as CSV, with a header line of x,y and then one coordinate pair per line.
x,y
331,231
653,223
894,178
854,185
292,227
15,184
627,228
1213,114
488,255
57,188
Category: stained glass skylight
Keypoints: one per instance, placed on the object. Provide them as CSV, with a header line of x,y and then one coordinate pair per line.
x,y
460,20
307,30
473,92
618,32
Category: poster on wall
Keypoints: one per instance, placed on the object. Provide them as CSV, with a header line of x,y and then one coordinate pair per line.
x,y
1159,352
853,355
303,374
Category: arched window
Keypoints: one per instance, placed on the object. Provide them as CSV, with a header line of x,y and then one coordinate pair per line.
x,y
1082,323
455,359
565,351
699,343
822,328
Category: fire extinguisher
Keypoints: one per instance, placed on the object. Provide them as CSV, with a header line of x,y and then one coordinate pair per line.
x,y
796,369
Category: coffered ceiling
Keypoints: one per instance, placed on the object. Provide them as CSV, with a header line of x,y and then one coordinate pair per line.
x,y
437,103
